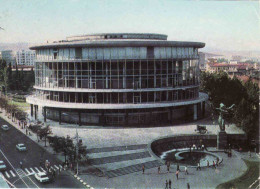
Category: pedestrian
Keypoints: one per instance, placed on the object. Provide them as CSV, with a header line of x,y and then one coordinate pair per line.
x,y
208,163
214,166
21,164
159,169
170,184
178,167
198,166
143,168
186,170
188,186
255,150
202,146
177,175
217,162
166,184
168,167
249,153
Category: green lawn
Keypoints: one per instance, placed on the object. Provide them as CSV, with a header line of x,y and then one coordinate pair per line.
x,y
246,179
22,105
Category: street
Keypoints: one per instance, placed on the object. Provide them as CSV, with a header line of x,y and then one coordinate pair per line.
x,y
23,176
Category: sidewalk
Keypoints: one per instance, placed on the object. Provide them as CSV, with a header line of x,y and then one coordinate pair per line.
x,y
41,143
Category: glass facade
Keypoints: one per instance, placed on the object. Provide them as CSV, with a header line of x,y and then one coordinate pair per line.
x,y
118,72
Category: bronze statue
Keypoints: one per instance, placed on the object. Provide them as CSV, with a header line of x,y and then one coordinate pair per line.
x,y
223,110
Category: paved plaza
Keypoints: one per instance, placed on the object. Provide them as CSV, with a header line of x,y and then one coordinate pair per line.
x,y
119,153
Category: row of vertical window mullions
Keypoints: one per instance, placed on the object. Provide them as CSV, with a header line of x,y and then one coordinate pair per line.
x,y
70,70
131,97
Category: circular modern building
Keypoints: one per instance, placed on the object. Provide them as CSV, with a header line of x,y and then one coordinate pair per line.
x,y
118,79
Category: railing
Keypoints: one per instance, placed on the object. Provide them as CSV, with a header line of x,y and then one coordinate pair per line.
x,y
84,59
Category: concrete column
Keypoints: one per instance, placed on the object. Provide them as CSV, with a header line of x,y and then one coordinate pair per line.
x,y
126,117
79,118
60,117
32,110
44,113
35,112
171,117
203,108
195,112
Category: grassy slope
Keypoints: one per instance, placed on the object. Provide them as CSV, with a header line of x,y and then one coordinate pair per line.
x,y
22,105
246,179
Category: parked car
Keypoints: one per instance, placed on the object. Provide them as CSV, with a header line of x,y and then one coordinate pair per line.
x,y
5,127
2,166
42,177
21,147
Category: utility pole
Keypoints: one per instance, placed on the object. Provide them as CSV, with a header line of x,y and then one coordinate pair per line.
x,y
77,151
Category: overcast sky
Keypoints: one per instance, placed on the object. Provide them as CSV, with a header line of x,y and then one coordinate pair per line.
x,y
226,25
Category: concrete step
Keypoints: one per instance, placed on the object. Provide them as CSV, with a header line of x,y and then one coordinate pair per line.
x,y
117,148
111,159
132,169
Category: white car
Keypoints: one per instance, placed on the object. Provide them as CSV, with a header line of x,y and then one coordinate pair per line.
x,y
2,166
21,147
42,177
5,127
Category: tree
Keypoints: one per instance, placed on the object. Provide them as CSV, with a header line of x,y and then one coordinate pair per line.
x,y
10,77
44,132
222,89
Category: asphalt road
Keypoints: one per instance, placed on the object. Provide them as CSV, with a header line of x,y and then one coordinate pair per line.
x,y
23,177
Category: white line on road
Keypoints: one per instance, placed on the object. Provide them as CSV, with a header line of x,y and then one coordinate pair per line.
x,y
56,166
7,174
37,169
42,169
12,173
60,166
28,172
16,172
32,170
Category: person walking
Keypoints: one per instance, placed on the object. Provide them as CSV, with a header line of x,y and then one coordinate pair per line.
x,y
188,185
170,184
214,165
208,163
168,167
143,168
198,166
217,162
186,170
178,167
21,164
177,175
159,170
166,184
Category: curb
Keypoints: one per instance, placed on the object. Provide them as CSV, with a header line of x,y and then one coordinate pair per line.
x,y
84,183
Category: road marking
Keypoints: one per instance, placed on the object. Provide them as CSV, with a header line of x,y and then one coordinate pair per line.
x,y
32,170
42,169
28,172
7,174
60,166
12,173
56,166
52,168
15,170
37,169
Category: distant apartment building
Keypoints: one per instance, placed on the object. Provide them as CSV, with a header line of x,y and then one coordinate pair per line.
x,y
9,57
25,58
202,61
230,68
237,58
